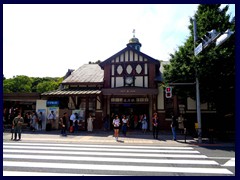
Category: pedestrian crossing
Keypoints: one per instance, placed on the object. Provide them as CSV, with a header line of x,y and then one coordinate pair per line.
x,y
55,159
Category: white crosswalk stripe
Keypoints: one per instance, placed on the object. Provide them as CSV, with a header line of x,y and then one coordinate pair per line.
x,y
42,159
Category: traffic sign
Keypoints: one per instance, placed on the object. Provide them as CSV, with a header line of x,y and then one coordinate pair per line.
x,y
224,37
198,49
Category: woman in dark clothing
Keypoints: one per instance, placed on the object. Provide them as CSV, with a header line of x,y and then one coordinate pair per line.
x,y
173,126
155,123
64,124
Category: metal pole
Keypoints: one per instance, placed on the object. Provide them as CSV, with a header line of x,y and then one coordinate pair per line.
x,y
197,89
198,111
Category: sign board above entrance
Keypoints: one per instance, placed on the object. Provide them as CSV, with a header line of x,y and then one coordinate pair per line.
x,y
52,103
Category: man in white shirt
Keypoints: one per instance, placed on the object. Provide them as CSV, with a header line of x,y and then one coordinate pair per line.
x,y
52,118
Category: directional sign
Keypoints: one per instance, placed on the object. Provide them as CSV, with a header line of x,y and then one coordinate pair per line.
x,y
224,37
198,49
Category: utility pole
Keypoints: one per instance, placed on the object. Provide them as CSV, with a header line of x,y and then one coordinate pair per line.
x,y
213,36
197,86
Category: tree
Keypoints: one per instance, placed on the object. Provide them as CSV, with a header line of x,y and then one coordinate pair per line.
x,y
31,84
96,62
215,66
47,86
17,84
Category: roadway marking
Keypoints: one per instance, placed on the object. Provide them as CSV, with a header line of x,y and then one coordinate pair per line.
x,y
24,173
104,153
231,162
107,159
117,167
96,145
100,149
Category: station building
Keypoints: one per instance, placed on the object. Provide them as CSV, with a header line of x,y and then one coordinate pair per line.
x,y
128,82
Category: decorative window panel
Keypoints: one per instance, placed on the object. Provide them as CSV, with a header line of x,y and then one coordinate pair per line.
x,y
129,69
112,70
135,57
119,81
146,81
145,69
131,55
126,56
139,69
119,69
139,81
122,58
112,82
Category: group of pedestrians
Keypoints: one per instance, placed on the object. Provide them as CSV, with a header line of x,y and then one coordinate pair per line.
x,y
178,123
117,122
73,124
124,124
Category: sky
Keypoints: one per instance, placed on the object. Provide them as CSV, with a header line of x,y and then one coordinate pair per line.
x,y
45,40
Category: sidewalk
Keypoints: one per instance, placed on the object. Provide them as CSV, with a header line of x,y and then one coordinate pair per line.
x,y
106,137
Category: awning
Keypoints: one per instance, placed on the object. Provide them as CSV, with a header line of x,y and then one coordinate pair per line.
x,y
69,92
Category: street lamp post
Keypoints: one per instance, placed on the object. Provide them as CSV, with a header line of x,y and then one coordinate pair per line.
x,y
199,49
214,36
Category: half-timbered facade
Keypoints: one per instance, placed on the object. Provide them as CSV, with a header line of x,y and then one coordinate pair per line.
x,y
130,82
125,83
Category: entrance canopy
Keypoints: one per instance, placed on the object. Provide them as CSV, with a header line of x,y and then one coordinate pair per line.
x,y
69,92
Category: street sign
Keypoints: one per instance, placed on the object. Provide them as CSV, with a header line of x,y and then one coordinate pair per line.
x,y
198,49
224,37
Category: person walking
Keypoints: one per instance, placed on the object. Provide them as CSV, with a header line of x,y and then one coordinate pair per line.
x,y
116,125
34,121
76,122
174,126
144,124
125,124
40,120
17,122
155,123
106,121
64,124
90,123
52,118
181,123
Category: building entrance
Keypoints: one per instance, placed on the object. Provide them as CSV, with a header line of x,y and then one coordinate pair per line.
x,y
132,111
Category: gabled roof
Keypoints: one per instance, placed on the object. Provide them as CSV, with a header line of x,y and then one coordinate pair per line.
x,y
107,61
87,73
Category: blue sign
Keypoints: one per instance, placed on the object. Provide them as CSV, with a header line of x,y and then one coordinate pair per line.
x,y
52,103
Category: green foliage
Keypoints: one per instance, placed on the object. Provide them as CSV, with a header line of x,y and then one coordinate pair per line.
x,y
49,85
96,62
17,84
30,84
